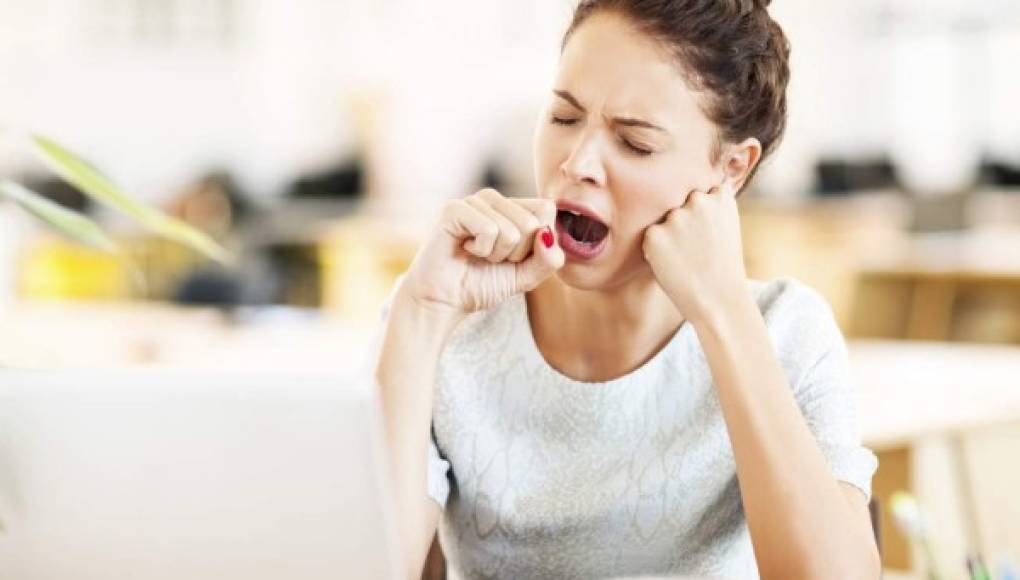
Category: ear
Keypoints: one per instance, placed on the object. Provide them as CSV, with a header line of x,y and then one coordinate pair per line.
x,y
739,160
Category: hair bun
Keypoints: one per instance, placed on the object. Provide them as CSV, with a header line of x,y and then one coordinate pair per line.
x,y
748,6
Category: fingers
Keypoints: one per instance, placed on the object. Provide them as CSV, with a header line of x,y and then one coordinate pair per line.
x,y
464,222
502,229
528,215
543,209
526,222
693,197
543,262
508,235
697,196
726,189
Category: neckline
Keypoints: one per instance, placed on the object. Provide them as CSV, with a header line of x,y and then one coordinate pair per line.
x,y
634,376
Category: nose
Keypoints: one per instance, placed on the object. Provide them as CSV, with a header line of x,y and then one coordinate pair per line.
x,y
584,165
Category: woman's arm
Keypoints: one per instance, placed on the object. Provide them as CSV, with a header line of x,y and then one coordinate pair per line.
x,y
413,339
803,522
485,249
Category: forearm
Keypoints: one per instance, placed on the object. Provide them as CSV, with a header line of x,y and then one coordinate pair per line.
x,y
413,340
800,520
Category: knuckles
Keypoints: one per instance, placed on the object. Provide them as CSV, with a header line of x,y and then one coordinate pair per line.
x,y
488,194
511,237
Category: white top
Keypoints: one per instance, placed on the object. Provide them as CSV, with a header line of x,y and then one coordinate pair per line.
x,y
543,476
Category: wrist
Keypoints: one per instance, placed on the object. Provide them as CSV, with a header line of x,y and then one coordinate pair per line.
x,y
722,307
426,314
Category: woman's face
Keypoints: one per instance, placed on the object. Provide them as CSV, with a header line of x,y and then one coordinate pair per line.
x,y
623,136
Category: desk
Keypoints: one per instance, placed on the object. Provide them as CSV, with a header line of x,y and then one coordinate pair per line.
x,y
945,421
277,339
909,390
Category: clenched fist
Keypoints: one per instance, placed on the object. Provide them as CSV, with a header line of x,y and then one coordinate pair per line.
x,y
485,249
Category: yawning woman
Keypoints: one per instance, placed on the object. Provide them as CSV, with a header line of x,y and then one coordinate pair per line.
x,y
586,384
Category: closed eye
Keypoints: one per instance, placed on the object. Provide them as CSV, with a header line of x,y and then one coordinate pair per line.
x,y
635,149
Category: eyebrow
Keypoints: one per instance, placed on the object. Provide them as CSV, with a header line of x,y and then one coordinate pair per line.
x,y
625,121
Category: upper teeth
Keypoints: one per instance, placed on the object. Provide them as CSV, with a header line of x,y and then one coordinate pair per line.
x,y
574,212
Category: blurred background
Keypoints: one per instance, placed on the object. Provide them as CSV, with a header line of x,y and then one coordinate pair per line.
x,y
316,140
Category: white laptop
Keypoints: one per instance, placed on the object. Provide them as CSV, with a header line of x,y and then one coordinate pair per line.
x,y
146,475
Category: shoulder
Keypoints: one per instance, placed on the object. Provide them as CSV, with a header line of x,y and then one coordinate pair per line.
x,y
799,319
785,301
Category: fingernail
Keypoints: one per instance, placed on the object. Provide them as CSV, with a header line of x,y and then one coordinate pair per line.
x,y
547,237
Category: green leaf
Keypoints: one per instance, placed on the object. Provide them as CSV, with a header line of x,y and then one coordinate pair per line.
x,y
90,181
70,223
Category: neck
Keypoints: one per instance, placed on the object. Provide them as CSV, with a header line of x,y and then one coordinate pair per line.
x,y
601,334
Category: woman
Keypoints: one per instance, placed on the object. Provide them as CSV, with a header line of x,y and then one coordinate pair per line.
x,y
607,393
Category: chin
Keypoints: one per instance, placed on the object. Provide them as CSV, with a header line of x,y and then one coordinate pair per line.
x,y
592,277
581,277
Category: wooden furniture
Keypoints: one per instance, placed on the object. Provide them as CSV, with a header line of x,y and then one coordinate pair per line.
x,y
926,305
944,420
954,286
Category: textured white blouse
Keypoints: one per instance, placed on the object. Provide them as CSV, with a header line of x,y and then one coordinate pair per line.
x,y
543,476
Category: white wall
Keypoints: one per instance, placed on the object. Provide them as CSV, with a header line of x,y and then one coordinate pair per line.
x,y
271,93
278,99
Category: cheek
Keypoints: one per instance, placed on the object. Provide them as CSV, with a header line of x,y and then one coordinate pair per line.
x,y
645,194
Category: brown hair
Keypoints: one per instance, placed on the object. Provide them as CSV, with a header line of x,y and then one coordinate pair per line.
x,y
732,49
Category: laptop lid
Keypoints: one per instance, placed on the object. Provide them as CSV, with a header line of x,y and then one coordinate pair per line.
x,y
167,475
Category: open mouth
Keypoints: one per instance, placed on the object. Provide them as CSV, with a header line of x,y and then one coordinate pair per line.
x,y
582,237
582,228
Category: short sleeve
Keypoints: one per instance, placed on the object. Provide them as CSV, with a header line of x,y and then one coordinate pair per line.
x,y
826,397
825,392
438,467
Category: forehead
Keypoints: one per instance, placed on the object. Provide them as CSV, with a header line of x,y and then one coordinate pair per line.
x,y
610,65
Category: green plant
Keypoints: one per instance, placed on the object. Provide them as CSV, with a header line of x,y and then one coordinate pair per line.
x,y
79,174
91,182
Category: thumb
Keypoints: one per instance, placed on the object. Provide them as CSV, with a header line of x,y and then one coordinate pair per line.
x,y
543,262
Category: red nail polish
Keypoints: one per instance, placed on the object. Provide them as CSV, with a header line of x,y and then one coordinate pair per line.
x,y
547,238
